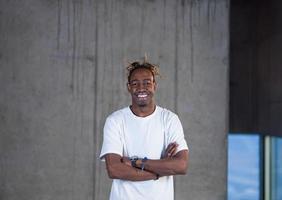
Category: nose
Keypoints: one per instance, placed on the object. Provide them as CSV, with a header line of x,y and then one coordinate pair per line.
x,y
141,86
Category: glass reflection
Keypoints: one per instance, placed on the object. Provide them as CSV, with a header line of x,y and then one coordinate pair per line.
x,y
276,168
243,167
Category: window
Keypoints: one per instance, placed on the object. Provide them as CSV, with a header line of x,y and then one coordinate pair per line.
x,y
276,171
244,167
254,167
273,168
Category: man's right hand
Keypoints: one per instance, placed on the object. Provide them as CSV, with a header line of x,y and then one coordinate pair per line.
x,y
171,150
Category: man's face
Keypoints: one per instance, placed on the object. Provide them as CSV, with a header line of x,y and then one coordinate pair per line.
x,y
142,87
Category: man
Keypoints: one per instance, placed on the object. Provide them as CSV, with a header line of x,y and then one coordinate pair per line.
x,y
143,144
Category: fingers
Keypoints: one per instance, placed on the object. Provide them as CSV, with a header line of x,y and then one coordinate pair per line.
x,y
170,146
126,161
172,152
171,149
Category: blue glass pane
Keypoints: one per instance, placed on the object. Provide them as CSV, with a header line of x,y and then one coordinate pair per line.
x,y
243,167
276,168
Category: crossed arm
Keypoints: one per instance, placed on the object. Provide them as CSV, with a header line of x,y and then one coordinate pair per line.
x,y
171,164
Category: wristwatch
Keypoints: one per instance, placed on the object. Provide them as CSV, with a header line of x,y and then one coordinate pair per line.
x,y
143,163
133,160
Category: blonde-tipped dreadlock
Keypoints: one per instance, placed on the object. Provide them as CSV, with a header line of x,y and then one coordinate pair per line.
x,y
145,65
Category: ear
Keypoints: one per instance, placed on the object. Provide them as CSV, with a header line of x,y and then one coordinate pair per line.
x,y
128,87
155,85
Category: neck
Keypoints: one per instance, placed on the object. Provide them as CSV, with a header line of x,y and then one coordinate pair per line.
x,y
143,111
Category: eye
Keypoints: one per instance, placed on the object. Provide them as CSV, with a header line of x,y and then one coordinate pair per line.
x,y
147,82
133,84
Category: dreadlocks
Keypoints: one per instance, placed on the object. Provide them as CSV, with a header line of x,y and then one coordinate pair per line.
x,y
154,69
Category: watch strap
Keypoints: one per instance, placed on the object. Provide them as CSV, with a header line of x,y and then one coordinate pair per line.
x,y
133,163
143,163
133,160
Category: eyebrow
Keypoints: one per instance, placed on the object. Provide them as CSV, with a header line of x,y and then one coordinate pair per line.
x,y
147,79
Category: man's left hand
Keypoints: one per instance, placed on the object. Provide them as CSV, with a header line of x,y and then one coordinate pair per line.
x,y
126,161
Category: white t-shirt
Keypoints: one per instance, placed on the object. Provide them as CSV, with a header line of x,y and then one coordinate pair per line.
x,y
128,135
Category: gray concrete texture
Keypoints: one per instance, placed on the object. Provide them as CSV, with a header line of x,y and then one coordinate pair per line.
x,y
62,71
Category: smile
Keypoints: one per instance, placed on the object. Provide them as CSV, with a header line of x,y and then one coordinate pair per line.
x,y
142,95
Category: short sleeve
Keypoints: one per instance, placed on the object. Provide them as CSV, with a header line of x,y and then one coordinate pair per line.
x,y
176,134
112,142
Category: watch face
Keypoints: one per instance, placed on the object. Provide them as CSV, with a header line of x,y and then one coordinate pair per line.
x,y
133,158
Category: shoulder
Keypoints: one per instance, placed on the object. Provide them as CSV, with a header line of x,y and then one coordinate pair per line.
x,y
167,114
118,115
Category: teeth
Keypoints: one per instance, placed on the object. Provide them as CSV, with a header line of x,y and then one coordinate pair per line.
x,y
142,95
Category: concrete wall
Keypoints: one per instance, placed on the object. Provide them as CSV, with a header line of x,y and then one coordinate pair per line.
x,y
62,72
